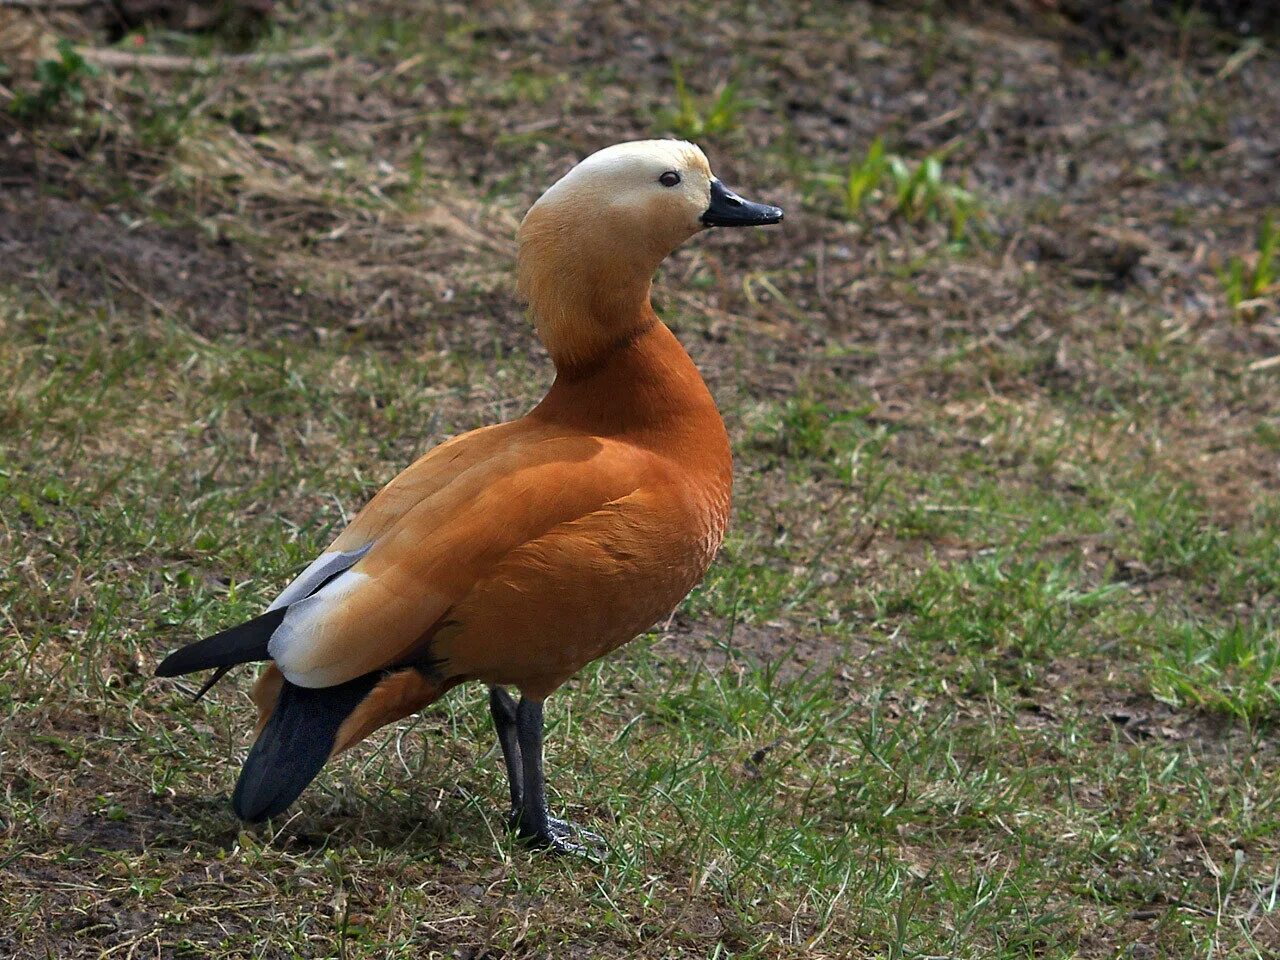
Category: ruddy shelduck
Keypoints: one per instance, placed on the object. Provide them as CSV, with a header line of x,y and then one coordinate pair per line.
x,y
518,553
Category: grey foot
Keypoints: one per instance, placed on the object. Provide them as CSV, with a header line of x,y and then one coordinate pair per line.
x,y
560,836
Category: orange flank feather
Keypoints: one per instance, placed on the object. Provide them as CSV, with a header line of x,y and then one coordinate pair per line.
x,y
518,553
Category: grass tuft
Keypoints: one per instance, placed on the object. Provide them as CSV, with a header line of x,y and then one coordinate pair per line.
x,y
1246,281
693,120
1229,669
915,192
60,80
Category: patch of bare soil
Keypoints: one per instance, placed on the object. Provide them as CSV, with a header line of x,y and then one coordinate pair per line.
x,y
71,249
786,650
219,287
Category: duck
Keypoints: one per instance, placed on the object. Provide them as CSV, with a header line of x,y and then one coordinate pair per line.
x,y
518,553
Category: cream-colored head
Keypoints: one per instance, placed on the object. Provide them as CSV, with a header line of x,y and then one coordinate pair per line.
x,y
590,245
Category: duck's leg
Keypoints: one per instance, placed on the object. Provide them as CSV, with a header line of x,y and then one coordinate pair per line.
x,y
534,823
502,707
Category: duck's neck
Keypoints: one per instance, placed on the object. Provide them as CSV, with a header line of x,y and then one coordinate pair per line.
x,y
587,292
645,386
586,324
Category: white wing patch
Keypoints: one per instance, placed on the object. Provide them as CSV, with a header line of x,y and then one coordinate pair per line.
x,y
302,633
321,569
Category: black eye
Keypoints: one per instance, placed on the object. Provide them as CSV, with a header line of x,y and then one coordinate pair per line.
x,y
669,179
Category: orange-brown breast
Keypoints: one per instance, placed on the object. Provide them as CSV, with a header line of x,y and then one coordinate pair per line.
x,y
589,585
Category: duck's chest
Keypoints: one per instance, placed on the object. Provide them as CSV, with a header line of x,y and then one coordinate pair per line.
x,y
588,587
709,522
671,557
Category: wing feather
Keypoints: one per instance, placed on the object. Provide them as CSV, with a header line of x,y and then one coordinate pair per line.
x,y
376,613
322,568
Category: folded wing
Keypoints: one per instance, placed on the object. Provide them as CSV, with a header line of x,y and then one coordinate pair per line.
x,y
382,610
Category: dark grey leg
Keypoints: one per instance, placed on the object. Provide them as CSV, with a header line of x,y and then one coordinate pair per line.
x,y
502,707
534,824
533,821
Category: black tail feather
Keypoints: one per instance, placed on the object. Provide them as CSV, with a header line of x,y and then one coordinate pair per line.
x,y
242,644
209,684
294,745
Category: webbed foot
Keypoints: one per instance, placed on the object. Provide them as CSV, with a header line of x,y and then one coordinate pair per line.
x,y
560,836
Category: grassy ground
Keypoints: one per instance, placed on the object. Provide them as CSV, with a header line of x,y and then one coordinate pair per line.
x,y
989,665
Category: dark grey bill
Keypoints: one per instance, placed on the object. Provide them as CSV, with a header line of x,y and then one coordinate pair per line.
x,y
730,210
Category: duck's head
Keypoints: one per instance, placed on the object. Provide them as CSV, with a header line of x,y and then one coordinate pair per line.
x,y
590,245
